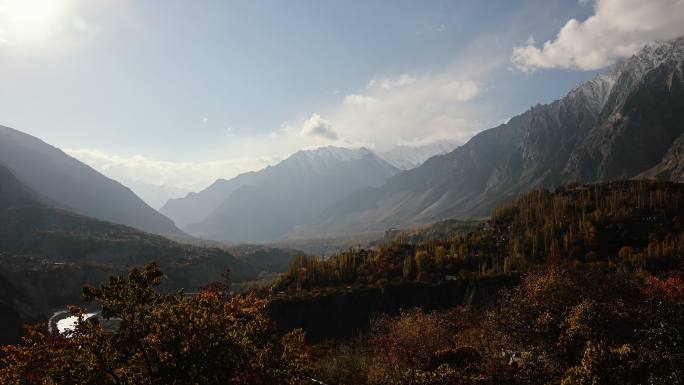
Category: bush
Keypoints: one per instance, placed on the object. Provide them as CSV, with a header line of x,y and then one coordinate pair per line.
x,y
162,339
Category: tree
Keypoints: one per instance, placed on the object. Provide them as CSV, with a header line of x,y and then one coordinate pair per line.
x,y
585,327
423,261
409,268
162,339
403,353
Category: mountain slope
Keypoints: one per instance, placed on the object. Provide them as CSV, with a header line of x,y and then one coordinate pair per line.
x,y
32,229
195,207
66,182
672,165
47,254
277,199
615,126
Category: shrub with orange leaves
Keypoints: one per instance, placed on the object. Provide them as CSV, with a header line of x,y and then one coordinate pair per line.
x,y
162,339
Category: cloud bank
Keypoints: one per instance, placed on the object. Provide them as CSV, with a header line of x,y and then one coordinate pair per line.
x,y
617,29
411,108
183,176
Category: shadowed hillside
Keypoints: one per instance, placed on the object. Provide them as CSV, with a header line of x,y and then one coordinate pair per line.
x,y
47,254
60,180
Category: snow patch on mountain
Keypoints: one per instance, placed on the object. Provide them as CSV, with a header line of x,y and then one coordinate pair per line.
x,y
407,157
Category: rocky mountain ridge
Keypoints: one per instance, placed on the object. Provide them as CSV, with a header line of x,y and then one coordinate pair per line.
x,y
616,126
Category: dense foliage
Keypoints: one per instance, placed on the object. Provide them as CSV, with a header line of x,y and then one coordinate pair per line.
x,y
559,326
601,302
635,225
209,338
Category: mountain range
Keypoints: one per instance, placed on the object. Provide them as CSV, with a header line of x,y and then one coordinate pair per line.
x,y
60,180
269,204
196,207
624,124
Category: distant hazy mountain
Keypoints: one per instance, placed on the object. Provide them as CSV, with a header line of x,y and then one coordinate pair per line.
x,y
66,182
408,157
195,207
624,124
155,195
271,203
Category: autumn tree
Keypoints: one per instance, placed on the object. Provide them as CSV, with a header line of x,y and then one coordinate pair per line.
x,y
162,339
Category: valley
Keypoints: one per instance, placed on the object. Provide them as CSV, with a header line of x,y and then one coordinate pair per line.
x,y
329,210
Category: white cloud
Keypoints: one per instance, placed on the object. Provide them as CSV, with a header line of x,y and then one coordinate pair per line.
x,y
461,91
316,126
389,83
412,108
187,176
617,30
359,100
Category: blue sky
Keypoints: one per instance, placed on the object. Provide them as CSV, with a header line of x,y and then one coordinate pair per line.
x,y
156,89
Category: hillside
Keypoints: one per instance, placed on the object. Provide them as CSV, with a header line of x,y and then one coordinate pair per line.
x,y
630,227
60,180
616,126
290,194
47,254
196,206
634,224
630,224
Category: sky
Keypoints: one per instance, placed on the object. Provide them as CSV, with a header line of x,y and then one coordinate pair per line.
x,y
178,93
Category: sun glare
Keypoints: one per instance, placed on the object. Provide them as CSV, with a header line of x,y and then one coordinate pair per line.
x,y
31,20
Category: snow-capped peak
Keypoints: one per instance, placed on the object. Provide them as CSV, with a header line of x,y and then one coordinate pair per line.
x,y
333,153
406,157
323,159
652,55
595,92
